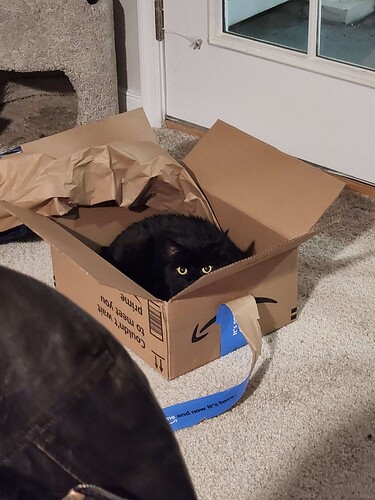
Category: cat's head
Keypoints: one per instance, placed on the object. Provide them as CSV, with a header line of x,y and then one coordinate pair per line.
x,y
186,264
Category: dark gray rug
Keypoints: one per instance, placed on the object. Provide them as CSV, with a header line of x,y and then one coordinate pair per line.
x,y
33,106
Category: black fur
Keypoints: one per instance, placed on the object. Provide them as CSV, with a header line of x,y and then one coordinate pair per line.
x,y
166,253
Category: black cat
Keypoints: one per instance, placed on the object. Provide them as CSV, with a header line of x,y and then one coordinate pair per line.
x,y
166,253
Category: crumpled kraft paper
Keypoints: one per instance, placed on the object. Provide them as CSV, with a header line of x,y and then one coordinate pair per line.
x,y
134,175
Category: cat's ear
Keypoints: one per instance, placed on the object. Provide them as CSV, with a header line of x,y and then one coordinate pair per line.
x,y
171,247
223,236
250,249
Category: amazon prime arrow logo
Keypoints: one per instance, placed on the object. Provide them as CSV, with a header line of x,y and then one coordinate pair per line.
x,y
197,336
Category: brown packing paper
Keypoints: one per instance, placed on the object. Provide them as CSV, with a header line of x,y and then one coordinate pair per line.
x,y
136,174
133,125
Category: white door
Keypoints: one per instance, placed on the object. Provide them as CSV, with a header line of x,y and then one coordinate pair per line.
x,y
313,97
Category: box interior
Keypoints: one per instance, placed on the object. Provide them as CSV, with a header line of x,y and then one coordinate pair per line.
x,y
98,226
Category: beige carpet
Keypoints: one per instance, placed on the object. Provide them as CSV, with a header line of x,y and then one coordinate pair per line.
x,y
306,426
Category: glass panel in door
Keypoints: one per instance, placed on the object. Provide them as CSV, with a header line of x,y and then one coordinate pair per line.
x,y
344,30
347,32
277,22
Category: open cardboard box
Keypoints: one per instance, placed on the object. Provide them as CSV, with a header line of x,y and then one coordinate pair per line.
x,y
254,190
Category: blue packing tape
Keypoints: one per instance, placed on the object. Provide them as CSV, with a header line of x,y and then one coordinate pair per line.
x,y
190,413
231,337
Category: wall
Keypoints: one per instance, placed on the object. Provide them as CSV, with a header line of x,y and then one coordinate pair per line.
x,y
127,49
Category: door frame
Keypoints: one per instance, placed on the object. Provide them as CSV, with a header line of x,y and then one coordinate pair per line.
x,y
152,57
152,65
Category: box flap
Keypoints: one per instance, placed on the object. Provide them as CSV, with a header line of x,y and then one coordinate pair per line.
x,y
283,193
86,258
132,126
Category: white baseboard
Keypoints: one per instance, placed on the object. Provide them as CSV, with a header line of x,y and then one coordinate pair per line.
x,y
129,99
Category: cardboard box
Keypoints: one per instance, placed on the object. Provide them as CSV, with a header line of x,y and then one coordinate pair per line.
x,y
253,189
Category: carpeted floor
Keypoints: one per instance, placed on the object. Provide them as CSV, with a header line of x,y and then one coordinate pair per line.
x,y
34,105
306,426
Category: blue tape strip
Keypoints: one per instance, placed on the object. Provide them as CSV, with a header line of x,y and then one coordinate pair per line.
x,y
189,413
192,412
231,337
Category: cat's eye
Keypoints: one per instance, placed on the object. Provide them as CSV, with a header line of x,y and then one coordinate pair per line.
x,y
182,270
206,269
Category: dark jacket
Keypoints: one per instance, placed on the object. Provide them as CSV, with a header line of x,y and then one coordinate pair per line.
x,y
75,408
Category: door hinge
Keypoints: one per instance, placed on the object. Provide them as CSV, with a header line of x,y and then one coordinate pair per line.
x,y
159,20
